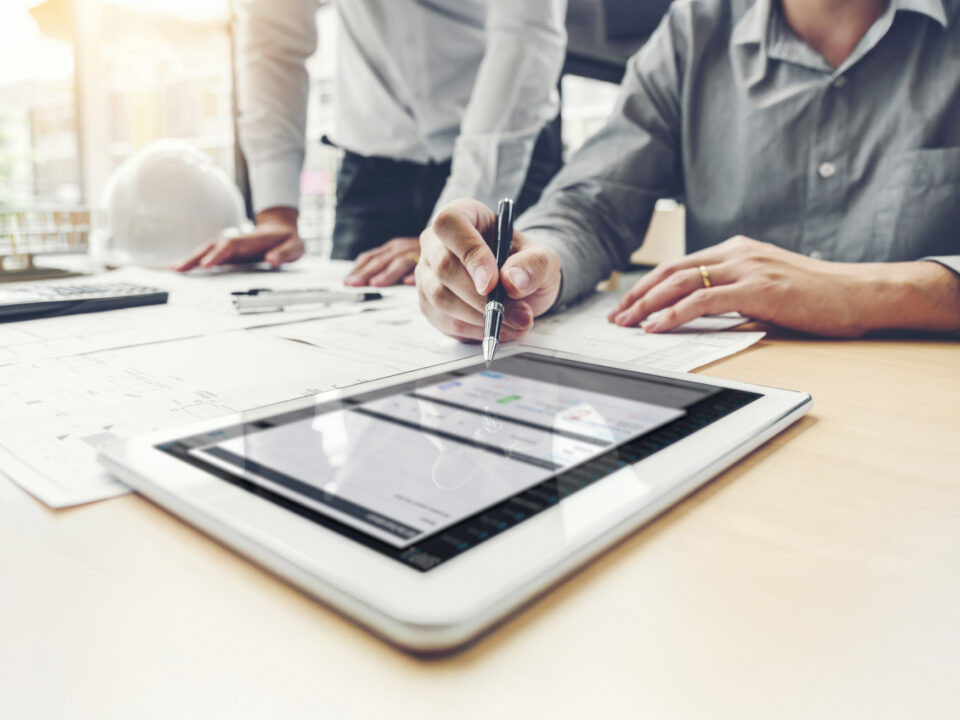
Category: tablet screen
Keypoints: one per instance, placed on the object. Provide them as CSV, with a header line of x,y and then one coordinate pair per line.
x,y
427,469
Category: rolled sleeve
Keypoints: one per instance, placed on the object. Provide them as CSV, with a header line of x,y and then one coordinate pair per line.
x,y
275,182
951,262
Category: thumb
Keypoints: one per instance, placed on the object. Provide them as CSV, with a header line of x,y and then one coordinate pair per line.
x,y
289,250
528,271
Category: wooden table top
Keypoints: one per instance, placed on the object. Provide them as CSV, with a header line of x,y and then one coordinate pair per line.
x,y
817,578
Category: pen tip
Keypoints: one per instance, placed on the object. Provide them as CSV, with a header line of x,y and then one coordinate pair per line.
x,y
489,349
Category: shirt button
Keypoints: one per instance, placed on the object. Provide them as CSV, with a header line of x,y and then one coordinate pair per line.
x,y
827,170
816,255
840,82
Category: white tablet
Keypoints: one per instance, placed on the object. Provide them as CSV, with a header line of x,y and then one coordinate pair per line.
x,y
428,506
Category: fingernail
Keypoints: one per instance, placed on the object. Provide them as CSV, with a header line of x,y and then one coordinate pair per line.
x,y
651,326
520,278
481,279
622,317
517,316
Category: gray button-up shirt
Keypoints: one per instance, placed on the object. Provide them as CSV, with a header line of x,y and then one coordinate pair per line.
x,y
726,107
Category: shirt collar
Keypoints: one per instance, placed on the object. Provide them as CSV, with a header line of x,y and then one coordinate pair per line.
x,y
762,34
751,29
931,8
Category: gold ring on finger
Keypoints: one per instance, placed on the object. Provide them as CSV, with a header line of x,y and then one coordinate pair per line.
x,y
705,276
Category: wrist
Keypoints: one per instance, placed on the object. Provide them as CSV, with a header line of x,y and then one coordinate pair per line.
x,y
279,214
921,295
554,286
557,260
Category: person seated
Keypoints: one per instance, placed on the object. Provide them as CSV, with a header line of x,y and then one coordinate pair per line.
x,y
434,101
816,145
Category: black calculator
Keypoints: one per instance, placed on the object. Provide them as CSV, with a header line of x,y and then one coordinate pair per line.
x,y
43,300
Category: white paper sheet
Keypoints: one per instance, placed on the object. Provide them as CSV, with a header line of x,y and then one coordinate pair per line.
x,y
58,412
198,306
584,329
401,338
81,380
394,340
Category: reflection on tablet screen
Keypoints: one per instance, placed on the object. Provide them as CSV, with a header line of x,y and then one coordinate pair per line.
x,y
404,464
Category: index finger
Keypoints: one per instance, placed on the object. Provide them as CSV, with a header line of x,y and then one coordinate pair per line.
x,y
458,227
193,260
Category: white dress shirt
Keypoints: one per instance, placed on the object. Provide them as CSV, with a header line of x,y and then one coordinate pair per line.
x,y
417,80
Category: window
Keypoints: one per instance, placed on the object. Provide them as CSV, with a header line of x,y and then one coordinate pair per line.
x,y
159,70
586,106
319,179
39,159
86,83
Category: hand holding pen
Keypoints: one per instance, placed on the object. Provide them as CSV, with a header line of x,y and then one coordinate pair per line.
x,y
458,270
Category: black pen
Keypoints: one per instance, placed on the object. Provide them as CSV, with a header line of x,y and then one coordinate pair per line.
x,y
493,311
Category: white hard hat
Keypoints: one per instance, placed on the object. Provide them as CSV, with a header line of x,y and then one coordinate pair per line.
x,y
163,202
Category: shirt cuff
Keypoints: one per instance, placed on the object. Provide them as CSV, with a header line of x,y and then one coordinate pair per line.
x,y
950,262
275,182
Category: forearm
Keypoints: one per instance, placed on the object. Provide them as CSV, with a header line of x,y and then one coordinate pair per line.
x,y
275,39
920,295
284,214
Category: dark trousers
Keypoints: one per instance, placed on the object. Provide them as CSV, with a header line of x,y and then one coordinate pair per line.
x,y
379,199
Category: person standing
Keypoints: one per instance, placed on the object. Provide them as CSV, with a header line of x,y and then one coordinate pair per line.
x,y
436,100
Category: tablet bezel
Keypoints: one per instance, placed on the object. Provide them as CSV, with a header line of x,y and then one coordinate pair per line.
x,y
453,602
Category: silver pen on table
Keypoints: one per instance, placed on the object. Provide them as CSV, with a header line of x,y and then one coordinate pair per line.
x,y
260,300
